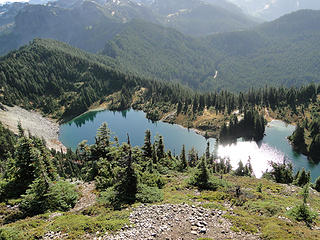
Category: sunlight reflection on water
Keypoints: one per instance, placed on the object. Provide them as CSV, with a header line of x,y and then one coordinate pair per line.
x,y
260,156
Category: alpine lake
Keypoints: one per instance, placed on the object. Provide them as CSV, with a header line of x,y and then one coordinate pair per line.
x,y
274,146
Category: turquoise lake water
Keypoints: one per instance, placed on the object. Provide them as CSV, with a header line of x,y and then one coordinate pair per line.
x,y
274,146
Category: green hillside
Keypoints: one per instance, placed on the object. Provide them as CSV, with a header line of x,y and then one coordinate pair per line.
x,y
64,82
162,53
266,55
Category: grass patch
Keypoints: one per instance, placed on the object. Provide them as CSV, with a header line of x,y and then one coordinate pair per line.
x,y
243,221
213,205
213,196
275,229
267,208
75,225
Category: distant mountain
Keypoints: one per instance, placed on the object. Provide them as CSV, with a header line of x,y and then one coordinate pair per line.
x,y
87,26
272,9
90,24
162,53
7,14
283,52
40,1
200,18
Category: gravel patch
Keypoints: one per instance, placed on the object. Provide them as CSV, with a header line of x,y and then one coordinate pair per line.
x,y
177,222
35,123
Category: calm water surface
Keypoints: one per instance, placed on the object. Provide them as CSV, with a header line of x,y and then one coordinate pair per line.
x,y
274,146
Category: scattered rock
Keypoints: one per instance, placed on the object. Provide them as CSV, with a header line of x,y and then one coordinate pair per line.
x,y
194,233
203,230
170,221
55,235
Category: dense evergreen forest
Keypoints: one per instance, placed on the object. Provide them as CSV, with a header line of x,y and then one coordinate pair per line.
x,y
306,137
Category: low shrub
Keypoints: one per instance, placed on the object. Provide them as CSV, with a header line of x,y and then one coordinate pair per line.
x,y
148,194
61,196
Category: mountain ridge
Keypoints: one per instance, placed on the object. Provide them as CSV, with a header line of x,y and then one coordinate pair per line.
x,y
90,24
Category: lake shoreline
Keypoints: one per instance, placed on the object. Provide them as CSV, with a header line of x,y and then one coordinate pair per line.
x,y
205,134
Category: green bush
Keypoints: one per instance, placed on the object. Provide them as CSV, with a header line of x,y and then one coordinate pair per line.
x,y
10,234
267,208
152,180
108,197
148,194
259,188
61,196
53,196
302,212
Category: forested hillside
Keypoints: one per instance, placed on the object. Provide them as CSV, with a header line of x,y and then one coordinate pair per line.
x,y
163,53
282,52
65,81
279,53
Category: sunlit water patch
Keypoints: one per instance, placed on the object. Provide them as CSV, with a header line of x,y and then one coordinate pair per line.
x,y
259,155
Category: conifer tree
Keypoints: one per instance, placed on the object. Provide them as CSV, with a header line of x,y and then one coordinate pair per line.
x,y
183,159
103,136
160,148
317,184
302,178
298,139
208,151
128,182
314,150
240,171
202,177
147,147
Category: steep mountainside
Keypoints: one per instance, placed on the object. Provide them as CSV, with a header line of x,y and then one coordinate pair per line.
x,y
56,76
86,27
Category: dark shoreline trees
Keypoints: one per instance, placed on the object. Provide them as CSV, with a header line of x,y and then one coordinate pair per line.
x,y
251,127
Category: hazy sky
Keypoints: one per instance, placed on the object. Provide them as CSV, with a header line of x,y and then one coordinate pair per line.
x,y
4,1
